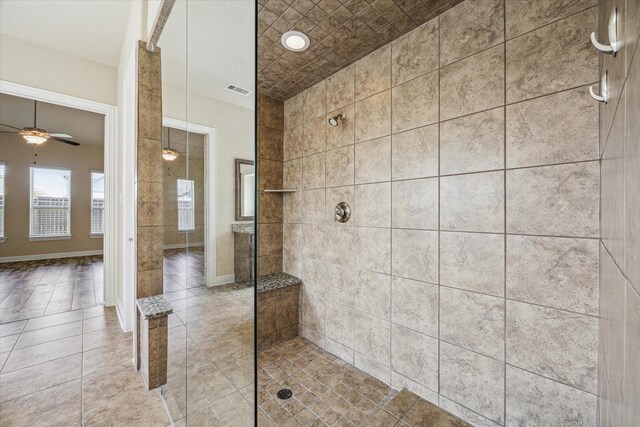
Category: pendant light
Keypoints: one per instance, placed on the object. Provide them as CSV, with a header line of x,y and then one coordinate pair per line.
x,y
169,154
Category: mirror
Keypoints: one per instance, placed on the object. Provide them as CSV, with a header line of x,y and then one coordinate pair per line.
x,y
245,190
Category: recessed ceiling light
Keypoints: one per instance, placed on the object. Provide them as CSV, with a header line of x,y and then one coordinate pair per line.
x,y
295,41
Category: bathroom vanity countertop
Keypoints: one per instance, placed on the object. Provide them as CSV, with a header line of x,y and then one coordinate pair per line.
x,y
242,228
274,281
154,307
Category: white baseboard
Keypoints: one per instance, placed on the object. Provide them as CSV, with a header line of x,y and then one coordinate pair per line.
x,y
224,280
182,245
56,255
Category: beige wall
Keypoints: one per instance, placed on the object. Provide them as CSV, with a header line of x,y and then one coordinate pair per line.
x,y
18,157
619,361
469,158
175,170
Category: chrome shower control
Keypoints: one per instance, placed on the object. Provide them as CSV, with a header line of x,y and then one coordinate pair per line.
x,y
342,212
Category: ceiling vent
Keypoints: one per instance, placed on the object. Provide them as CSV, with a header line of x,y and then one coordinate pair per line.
x,y
238,89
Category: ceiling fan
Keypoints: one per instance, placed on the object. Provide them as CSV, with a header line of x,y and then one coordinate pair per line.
x,y
37,136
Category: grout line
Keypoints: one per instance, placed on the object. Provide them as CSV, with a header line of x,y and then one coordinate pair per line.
x,y
439,201
504,216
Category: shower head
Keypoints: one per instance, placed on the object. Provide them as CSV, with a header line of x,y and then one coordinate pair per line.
x,y
335,120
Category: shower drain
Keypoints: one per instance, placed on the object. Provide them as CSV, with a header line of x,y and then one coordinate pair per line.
x,y
285,394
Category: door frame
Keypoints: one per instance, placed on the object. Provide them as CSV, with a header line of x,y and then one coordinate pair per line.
x,y
111,164
210,191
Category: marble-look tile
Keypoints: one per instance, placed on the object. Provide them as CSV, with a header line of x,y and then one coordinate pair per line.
x,y
340,88
554,272
292,240
370,366
373,161
270,210
426,394
373,246
524,16
292,207
314,201
339,284
373,117
536,401
472,143
472,202
292,175
415,103
314,276
473,321
270,143
149,212
344,133
150,244
553,58
473,380
415,356
340,166
150,163
372,337
269,174
557,344
415,153
270,112
293,145
336,195
473,261
415,254
415,53
340,322
415,204
313,171
340,243
34,355
293,109
149,72
465,414
414,305
472,84
469,28
314,99
424,413
270,239
373,293
314,135
313,313
314,241
373,202
631,390
149,116
557,200
557,128
632,170
373,73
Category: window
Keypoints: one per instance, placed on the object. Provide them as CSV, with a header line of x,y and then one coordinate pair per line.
x,y
97,203
185,205
50,197
1,200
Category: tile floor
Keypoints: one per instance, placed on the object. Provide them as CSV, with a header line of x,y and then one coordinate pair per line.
x,y
329,392
32,289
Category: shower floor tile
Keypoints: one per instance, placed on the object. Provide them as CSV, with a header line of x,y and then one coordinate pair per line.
x,y
330,392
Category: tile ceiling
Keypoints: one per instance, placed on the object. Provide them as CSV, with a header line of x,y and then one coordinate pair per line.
x,y
341,32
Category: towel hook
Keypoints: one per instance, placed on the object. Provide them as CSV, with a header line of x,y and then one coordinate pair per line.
x,y
604,89
612,30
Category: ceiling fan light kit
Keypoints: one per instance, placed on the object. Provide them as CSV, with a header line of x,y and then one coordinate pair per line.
x,y
169,154
34,136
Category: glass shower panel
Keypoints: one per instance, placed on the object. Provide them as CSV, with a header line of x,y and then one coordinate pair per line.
x,y
220,321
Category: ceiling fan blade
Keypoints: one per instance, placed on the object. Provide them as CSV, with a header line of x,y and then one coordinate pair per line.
x,y
12,127
9,133
75,144
60,135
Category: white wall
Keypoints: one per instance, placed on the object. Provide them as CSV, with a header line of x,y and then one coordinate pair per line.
x,y
234,139
39,67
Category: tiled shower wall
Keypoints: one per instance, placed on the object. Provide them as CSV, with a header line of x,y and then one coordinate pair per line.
x,y
469,156
619,361
270,157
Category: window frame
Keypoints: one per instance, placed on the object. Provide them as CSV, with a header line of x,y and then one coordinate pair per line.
x,y
192,208
35,237
91,232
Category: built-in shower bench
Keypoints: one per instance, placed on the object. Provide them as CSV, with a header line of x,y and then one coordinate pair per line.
x,y
153,314
278,301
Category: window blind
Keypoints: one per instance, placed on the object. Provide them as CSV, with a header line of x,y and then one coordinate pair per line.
x,y
186,220
97,203
1,200
50,197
